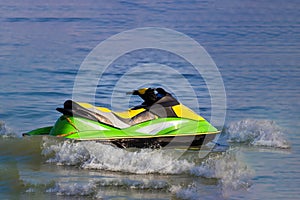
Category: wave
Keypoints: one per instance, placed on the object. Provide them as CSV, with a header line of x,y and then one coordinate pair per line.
x,y
94,187
73,189
226,168
265,133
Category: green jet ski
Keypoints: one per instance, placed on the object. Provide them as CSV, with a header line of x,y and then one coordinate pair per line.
x,y
159,121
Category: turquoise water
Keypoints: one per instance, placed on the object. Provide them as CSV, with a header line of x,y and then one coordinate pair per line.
x,y
256,48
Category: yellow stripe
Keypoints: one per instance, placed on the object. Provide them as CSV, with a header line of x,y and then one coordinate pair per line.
x,y
87,105
125,114
129,113
184,112
66,134
70,122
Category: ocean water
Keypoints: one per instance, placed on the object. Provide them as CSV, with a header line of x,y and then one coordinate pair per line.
x,y
256,48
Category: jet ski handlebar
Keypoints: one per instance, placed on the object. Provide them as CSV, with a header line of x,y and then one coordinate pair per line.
x,y
149,95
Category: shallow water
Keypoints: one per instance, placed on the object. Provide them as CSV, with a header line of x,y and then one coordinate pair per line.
x,y
256,48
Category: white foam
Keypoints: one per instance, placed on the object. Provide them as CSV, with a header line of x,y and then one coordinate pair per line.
x,y
95,187
143,184
258,133
73,189
228,167
93,155
66,153
5,131
189,193
30,190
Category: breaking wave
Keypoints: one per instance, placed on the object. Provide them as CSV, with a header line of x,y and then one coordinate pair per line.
x,y
265,133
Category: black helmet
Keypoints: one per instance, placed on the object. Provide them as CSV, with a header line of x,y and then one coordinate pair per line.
x,y
147,94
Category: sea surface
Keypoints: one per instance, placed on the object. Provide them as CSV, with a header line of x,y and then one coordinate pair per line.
x,y
256,47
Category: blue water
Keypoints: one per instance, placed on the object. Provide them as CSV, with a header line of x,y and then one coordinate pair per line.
x,y
256,47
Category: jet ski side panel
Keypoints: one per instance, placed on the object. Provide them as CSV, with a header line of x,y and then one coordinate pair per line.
x,y
70,125
83,129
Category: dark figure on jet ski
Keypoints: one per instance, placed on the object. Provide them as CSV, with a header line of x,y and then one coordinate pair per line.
x,y
157,103
152,95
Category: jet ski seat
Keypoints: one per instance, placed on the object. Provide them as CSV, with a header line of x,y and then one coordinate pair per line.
x,y
73,108
161,108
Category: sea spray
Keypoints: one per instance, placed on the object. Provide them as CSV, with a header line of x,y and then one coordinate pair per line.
x,y
65,152
5,131
191,192
264,133
94,155
229,168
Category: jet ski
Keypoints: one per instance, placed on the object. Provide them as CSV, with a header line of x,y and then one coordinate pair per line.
x,y
160,121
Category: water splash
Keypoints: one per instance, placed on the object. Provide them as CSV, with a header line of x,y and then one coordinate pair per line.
x,y
187,193
257,133
93,155
227,168
5,131
232,172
